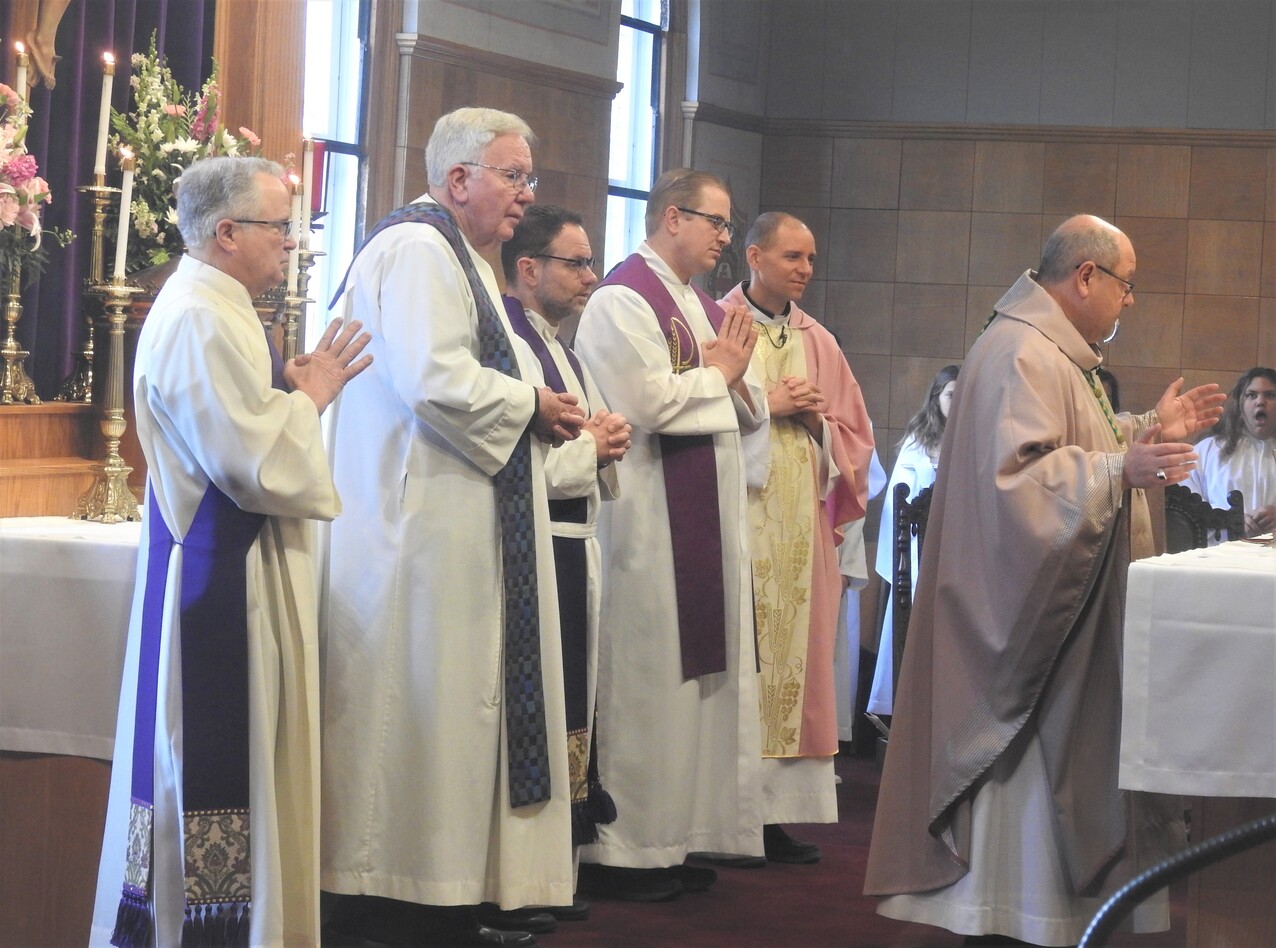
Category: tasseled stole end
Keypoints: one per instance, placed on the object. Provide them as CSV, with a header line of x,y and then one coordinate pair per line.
x,y
217,925
132,921
587,815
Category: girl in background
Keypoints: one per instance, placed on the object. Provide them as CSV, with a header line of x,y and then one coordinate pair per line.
x,y
915,466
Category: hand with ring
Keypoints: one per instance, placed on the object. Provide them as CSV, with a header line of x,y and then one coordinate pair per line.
x,y
1160,475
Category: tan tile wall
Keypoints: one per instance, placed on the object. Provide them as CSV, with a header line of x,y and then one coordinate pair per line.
x,y
925,233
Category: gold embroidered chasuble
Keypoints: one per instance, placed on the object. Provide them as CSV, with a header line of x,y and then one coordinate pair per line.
x,y
782,535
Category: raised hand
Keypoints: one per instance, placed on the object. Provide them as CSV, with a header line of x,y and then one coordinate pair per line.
x,y
323,373
731,351
1183,415
1157,465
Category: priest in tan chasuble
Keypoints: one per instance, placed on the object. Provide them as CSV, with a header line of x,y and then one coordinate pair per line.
x,y
999,811
808,479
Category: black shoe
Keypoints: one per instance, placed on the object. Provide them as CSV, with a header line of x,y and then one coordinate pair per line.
x,y
728,861
578,911
781,847
691,878
534,920
629,885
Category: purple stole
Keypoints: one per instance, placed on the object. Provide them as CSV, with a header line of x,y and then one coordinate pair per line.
x,y
591,804
213,632
691,487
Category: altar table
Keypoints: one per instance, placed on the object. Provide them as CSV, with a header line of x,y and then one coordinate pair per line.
x,y
1199,717
65,593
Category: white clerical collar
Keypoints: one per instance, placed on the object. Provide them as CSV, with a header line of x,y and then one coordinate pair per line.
x,y
764,315
541,324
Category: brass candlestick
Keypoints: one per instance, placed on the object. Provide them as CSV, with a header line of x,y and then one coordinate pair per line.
x,y
78,386
109,499
16,387
293,311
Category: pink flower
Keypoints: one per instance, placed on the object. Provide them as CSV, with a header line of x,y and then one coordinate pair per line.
x,y
10,97
9,208
171,109
20,169
35,191
250,135
29,218
207,115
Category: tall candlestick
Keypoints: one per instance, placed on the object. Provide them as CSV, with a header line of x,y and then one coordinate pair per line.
x,y
126,198
307,187
104,115
293,256
23,62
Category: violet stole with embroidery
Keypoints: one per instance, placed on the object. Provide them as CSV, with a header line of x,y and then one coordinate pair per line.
x,y
691,486
213,633
591,805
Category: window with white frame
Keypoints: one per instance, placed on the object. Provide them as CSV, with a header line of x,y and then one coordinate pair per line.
x,y
635,125
336,38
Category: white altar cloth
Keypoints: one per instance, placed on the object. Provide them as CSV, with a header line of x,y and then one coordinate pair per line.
x,y
1199,704
66,587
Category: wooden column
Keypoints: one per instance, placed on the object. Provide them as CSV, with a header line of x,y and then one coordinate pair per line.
x,y
260,46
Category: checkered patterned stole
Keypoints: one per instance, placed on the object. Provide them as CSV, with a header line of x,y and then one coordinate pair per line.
x,y
524,695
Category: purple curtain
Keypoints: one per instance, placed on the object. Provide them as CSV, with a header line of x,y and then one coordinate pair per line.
x,y
63,135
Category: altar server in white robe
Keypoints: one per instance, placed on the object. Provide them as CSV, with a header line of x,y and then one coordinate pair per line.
x,y
217,746
440,787
1242,456
549,273
678,733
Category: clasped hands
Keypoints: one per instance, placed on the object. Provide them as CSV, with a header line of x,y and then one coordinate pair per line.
x,y
800,397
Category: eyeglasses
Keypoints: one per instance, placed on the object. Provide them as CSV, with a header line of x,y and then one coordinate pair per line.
x,y
717,222
283,228
515,177
1129,287
573,263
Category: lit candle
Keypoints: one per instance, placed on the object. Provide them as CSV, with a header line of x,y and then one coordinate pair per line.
x,y
104,116
293,260
126,198
307,187
21,85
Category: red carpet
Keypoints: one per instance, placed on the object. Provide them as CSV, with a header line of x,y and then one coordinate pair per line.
x,y
783,906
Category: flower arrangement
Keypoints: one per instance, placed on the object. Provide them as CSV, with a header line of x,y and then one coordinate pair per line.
x,y
23,194
168,129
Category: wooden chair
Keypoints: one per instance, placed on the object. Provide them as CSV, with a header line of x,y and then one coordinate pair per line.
x,y
1190,520
910,522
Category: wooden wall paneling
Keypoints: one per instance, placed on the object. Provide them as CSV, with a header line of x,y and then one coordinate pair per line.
x,y
929,320
936,175
1009,176
862,245
1002,246
1151,333
866,172
1220,333
797,172
1228,183
933,247
1160,245
1266,354
1079,178
1224,257
979,303
1153,180
386,67
859,313
260,47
